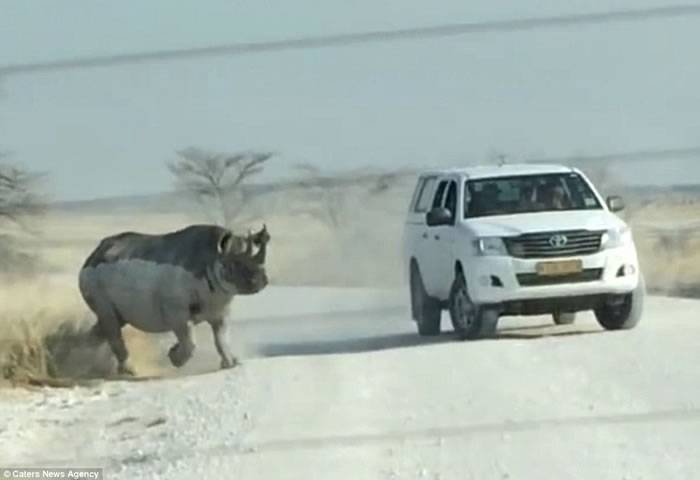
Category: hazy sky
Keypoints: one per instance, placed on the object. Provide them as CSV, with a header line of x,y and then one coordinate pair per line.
x,y
108,131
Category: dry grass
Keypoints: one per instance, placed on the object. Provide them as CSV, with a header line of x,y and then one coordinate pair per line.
x,y
45,336
668,267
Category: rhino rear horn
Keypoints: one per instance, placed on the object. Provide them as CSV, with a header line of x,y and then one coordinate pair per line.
x,y
225,243
261,239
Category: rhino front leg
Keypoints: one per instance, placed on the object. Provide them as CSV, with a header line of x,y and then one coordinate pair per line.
x,y
182,351
219,330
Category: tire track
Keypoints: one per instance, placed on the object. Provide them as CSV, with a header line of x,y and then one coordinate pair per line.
x,y
330,442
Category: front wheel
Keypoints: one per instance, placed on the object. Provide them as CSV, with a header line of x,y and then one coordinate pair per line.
x,y
470,321
625,313
425,309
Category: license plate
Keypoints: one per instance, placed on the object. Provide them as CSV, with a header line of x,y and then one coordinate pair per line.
x,y
559,268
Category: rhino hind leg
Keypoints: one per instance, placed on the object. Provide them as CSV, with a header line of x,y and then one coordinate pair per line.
x,y
111,331
109,327
218,328
95,336
182,351
116,343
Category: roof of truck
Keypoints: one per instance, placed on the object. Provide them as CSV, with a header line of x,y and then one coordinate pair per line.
x,y
505,170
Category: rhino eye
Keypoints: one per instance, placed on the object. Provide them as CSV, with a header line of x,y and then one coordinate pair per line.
x,y
238,246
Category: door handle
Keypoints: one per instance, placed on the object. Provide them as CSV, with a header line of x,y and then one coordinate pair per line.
x,y
437,237
425,235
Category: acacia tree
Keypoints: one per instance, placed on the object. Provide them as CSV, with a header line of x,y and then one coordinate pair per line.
x,y
19,201
326,194
324,198
18,195
217,180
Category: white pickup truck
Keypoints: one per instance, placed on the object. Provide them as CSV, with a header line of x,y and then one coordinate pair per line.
x,y
527,239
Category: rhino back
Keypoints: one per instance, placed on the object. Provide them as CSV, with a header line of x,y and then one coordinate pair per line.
x,y
193,249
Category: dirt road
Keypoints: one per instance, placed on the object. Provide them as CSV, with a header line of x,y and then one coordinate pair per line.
x,y
336,384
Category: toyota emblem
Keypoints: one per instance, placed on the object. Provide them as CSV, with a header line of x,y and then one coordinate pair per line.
x,y
558,241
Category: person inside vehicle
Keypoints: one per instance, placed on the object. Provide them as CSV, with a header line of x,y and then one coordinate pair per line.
x,y
553,197
560,200
527,198
489,199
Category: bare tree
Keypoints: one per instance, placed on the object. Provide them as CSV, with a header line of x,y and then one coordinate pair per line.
x,y
19,202
326,194
19,197
217,180
386,181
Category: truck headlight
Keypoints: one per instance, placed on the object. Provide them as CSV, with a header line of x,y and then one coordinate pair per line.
x,y
616,237
491,246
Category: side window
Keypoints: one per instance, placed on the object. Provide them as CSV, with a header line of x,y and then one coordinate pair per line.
x,y
425,195
580,193
451,200
437,201
466,207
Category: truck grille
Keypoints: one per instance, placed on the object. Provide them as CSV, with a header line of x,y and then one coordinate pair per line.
x,y
535,280
554,244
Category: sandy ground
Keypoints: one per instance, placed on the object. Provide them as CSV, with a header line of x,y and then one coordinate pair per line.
x,y
342,387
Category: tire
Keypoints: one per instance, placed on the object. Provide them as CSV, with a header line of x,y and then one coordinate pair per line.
x,y
625,315
564,318
426,310
469,321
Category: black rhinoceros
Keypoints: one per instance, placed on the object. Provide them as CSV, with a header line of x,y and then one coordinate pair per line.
x,y
163,283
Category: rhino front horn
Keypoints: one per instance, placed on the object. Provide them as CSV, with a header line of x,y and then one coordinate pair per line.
x,y
262,236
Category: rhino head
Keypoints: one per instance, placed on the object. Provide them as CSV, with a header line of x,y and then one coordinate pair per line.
x,y
242,261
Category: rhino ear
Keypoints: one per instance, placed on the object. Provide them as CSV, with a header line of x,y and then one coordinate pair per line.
x,y
225,243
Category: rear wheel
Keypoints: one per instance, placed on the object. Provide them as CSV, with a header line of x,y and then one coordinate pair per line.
x,y
469,320
426,310
625,312
564,318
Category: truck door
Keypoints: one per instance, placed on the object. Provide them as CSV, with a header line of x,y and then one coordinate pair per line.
x,y
433,244
416,237
443,239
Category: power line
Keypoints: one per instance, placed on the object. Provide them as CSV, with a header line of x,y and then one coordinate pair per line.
x,y
344,179
377,36
630,156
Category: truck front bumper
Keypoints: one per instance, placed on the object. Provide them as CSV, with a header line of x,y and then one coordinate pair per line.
x,y
502,279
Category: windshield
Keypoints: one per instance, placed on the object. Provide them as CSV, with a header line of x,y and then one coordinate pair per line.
x,y
526,194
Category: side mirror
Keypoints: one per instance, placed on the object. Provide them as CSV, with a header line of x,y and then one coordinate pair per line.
x,y
615,204
438,216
